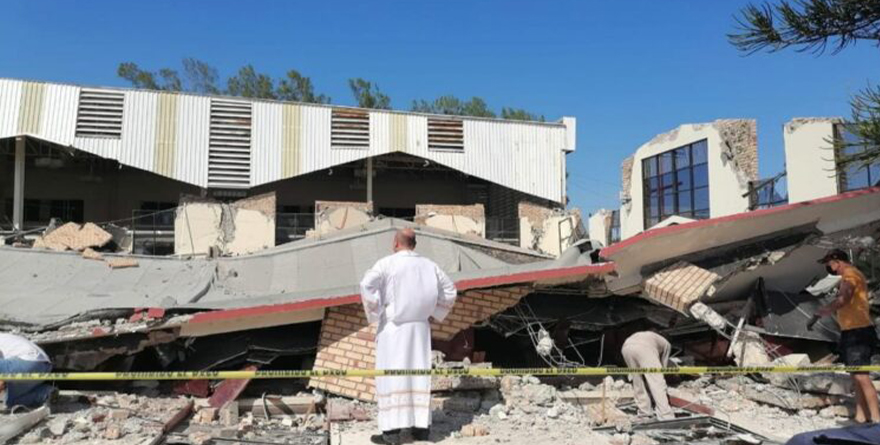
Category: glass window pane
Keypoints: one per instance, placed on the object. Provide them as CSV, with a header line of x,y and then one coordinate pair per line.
x,y
701,214
684,179
668,204
701,199
682,157
875,174
856,177
701,176
666,162
687,214
649,167
652,222
654,207
653,183
668,181
684,202
699,152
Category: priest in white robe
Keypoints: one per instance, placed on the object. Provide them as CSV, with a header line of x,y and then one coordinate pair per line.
x,y
402,292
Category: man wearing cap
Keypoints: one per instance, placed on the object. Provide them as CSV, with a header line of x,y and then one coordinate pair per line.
x,y
857,335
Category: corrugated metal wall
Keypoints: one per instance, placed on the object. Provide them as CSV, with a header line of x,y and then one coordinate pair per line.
x,y
287,139
266,145
194,118
10,105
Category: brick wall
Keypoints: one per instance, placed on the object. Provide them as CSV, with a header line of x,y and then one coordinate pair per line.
x,y
626,169
679,285
348,342
474,306
742,135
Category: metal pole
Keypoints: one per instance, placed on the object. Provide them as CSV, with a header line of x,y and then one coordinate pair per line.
x,y
369,179
18,188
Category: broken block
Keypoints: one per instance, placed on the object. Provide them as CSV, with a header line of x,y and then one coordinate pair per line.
x,y
473,430
229,414
113,432
206,415
119,414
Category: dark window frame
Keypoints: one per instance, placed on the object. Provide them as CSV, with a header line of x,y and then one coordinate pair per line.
x,y
669,183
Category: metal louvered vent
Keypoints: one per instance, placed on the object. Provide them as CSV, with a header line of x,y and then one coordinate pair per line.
x,y
229,150
350,129
445,134
99,114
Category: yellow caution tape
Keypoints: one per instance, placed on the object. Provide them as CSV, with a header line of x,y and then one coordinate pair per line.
x,y
477,372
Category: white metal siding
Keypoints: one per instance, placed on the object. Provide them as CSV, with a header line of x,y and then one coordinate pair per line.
x,y
316,153
139,130
194,116
10,106
266,143
59,113
523,156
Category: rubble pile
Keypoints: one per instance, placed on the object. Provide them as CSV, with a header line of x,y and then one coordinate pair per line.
x,y
116,418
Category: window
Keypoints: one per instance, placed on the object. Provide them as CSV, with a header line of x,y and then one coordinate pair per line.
x,y
155,214
350,128
42,210
229,149
676,183
445,134
615,227
99,114
856,175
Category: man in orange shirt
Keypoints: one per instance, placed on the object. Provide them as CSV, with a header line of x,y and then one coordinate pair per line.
x,y
857,335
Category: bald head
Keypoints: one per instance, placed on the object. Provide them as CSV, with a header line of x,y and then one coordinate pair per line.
x,y
404,239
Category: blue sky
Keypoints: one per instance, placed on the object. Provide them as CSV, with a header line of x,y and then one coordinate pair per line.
x,y
626,70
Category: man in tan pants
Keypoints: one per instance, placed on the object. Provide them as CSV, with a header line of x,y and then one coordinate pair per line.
x,y
649,350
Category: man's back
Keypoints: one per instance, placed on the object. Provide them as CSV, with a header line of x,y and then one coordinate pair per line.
x,y
13,346
856,313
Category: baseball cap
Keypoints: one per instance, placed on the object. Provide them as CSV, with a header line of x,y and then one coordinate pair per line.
x,y
835,254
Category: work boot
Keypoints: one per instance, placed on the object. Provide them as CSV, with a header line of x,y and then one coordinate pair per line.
x,y
421,434
386,438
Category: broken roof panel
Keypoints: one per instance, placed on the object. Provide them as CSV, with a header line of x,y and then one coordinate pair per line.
x,y
638,257
49,287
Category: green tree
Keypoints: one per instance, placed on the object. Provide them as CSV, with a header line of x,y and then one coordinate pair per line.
x,y
249,83
368,95
165,80
474,107
518,114
297,87
200,77
816,25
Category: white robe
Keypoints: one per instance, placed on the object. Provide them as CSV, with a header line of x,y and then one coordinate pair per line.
x,y
400,292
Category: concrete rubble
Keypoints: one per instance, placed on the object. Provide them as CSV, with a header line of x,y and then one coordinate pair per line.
x,y
739,292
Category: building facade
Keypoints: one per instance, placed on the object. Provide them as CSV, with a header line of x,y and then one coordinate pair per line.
x,y
108,154
710,170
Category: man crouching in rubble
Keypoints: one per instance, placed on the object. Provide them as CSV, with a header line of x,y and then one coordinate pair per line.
x,y
18,354
857,334
402,292
649,350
